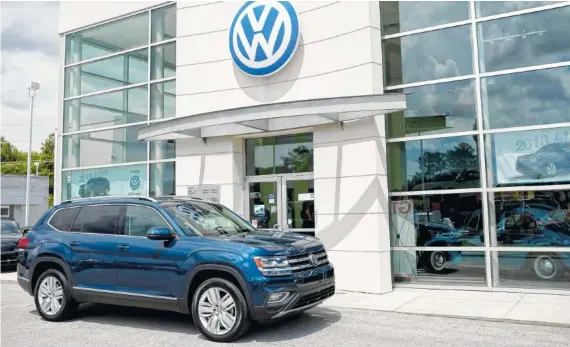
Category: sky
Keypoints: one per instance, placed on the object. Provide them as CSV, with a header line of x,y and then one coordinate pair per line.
x,y
29,45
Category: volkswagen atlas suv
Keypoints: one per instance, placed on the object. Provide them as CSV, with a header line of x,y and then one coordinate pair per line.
x,y
177,254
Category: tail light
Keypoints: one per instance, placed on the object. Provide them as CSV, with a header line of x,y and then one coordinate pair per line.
x,y
23,243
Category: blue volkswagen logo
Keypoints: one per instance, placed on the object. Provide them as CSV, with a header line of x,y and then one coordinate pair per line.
x,y
135,182
264,36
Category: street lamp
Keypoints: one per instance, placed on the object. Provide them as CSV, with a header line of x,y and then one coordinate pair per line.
x,y
32,88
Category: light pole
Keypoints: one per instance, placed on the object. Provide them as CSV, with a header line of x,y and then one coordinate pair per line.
x,y
32,88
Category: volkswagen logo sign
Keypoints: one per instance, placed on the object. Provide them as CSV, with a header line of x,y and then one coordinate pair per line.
x,y
313,259
264,36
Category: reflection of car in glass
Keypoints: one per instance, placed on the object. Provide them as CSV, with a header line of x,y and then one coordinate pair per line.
x,y
547,161
94,187
11,234
179,254
436,235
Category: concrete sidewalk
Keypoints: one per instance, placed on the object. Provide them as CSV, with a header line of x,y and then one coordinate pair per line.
x,y
496,306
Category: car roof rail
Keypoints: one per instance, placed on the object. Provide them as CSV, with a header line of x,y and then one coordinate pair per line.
x,y
177,197
108,197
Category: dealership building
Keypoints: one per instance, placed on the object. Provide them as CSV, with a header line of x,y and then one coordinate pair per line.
x,y
427,144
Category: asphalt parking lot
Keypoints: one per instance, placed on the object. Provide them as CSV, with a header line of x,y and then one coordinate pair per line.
x,y
102,325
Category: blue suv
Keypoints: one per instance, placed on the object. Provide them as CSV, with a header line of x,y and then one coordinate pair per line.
x,y
171,253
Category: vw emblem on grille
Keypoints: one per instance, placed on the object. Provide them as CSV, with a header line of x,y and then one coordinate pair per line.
x,y
264,36
313,259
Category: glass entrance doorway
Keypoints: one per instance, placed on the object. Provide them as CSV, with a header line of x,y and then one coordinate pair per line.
x,y
284,203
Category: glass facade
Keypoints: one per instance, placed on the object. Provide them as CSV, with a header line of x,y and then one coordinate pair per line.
x,y
479,163
118,77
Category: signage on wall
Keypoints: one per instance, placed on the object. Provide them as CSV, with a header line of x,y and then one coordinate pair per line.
x,y
209,192
128,180
264,36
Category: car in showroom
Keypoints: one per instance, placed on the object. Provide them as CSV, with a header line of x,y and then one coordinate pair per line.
x,y
172,253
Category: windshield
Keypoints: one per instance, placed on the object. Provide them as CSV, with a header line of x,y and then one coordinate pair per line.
x,y
10,227
207,219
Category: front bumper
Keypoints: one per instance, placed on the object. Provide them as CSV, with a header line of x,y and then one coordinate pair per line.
x,y
310,289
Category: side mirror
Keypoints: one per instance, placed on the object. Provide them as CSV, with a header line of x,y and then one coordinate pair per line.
x,y
159,234
26,230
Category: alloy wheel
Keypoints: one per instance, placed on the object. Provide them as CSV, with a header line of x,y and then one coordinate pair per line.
x,y
545,267
217,311
551,169
437,260
50,295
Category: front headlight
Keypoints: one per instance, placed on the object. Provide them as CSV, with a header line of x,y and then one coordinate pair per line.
x,y
273,266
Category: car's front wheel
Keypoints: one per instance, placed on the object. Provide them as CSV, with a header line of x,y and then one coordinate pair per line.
x,y
219,310
546,267
52,296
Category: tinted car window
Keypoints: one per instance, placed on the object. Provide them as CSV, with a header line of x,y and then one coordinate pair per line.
x,y
64,218
138,221
9,227
97,219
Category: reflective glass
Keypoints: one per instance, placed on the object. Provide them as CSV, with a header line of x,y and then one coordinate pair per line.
x,y
529,157
537,270
421,57
163,100
118,181
107,38
527,98
435,109
104,147
447,163
489,8
103,110
163,61
118,71
163,179
530,218
401,16
525,40
160,150
300,204
439,267
163,25
283,154
448,220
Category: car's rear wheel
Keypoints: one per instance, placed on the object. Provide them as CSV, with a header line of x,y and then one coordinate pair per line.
x,y
550,170
219,310
52,296
437,262
546,267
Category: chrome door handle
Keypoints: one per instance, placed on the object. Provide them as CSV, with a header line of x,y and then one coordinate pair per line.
x,y
123,247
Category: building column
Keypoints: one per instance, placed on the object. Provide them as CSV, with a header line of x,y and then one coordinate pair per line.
x,y
351,203
217,161
158,148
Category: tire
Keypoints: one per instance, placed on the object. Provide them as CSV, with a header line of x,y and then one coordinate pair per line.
x,y
239,311
436,262
49,280
546,267
550,170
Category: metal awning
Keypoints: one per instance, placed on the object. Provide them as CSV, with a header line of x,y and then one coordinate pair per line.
x,y
273,117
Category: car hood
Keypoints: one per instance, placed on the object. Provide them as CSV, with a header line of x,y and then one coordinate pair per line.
x,y
273,240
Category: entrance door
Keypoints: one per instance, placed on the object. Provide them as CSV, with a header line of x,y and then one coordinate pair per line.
x,y
284,202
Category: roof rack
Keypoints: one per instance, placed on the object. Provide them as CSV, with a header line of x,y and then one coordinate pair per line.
x,y
178,197
107,197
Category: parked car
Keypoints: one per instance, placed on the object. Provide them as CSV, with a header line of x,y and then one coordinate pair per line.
x,y
436,235
547,161
96,186
177,254
11,234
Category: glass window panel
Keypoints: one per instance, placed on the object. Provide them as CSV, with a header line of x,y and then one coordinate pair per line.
x,y
530,218
447,163
163,100
535,97
112,146
103,39
118,181
300,204
282,154
162,179
260,213
163,24
140,219
529,157
108,73
103,110
435,109
449,220
439,267
420,57
102,219
160,150
533,270
163,61
525,40
401,16
489,8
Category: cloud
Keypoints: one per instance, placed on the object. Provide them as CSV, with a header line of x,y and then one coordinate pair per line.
x,y
29,51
